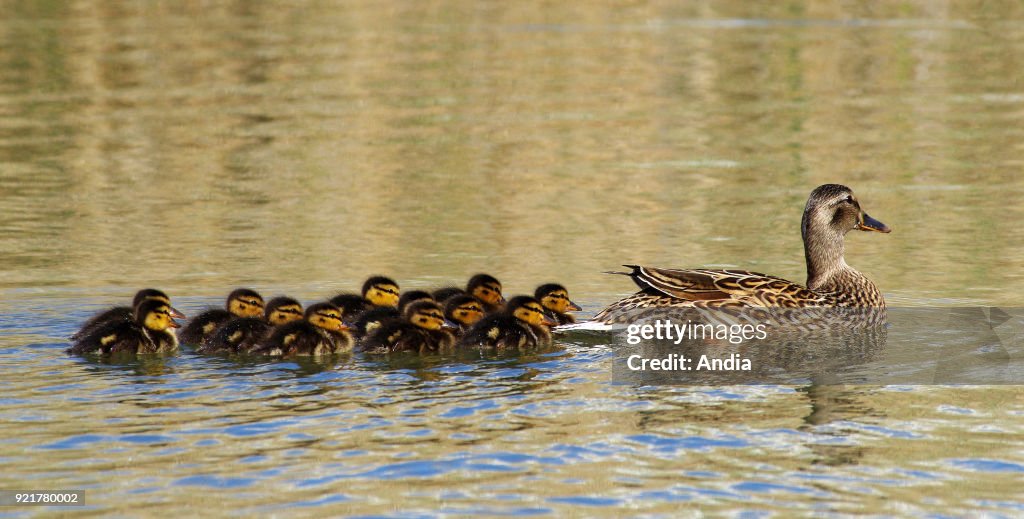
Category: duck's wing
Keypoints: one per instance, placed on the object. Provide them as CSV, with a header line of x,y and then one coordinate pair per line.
x,y
713,287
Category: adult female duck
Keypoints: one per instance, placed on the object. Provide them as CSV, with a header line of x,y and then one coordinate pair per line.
x,y
831,211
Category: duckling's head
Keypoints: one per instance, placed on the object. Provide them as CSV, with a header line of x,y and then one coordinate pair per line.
x,y
442,295
426,314
155,315
381,291
463,309
281,310
326,316
156,295
486,288
528,310
411,297
556,298
245,302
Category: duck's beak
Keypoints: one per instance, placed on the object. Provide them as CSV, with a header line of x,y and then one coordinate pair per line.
x,y
573,307
176,314
174,324
868,223
450,324
549,322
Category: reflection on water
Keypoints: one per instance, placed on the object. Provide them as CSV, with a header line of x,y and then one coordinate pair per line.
x,y
298,148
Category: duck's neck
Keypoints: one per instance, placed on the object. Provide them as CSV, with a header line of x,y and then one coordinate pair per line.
x,y
823,251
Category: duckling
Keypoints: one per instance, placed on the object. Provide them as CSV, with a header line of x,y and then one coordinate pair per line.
x,y
322,332
521,325
557,305
487,289
371,319
242,302
464,311
146,333
412,296
441,295
351,306
124,314
239,335
381,291
421,330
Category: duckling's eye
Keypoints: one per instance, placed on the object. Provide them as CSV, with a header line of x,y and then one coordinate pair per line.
x,y
849,199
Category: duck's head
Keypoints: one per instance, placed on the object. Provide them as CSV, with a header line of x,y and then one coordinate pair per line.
x,y
426,314
245,302
381,291
528,310
463,309
410,297
556,298
486,288
155,315
147,294
281,310
833,210
326,316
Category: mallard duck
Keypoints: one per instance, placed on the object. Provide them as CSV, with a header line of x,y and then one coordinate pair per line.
x,y
411,296
146,333
464,311
242,302
351,306
831,211
521,324
125,314
321,332
422,330
381,291
487,289
557,305
241,334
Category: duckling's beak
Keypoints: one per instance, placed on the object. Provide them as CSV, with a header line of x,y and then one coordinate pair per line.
x,y
450,324
573,307
868,223
176,314
343,327
549,322
174,324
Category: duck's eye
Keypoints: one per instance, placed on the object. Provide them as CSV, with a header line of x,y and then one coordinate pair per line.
x,y
849,199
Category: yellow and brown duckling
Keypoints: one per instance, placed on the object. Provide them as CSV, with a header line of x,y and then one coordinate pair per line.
x,y
148,332
321,332
421,330
463,311
125,314
557,305
351,306
522,324
411,296
242,302
487,289
241,334
442,295
381,291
